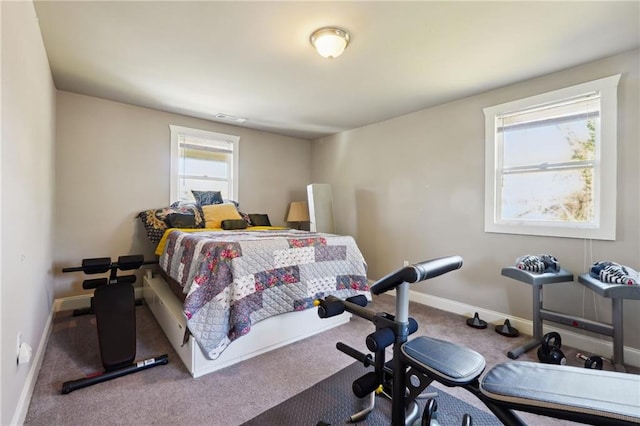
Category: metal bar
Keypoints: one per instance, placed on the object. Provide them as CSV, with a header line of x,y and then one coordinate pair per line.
x,y
618,346
577,322
70,386
537,307
529,344
544,167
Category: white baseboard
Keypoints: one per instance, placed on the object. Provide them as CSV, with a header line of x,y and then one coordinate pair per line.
x,y
569,338
82,301
61,304
22,407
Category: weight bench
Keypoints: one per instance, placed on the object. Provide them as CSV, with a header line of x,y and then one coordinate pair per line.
x,y
616,292
571,393
113,303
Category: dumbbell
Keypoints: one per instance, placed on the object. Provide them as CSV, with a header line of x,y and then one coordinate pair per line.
x,y
549,351
591,361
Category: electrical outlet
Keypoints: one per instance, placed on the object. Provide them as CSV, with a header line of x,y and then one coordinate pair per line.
x,y
405,263
18,343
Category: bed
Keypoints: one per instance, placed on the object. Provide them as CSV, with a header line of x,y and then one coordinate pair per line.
x,y
224,296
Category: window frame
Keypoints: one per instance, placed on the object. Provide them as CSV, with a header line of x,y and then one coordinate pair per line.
x,y
176,131
604,173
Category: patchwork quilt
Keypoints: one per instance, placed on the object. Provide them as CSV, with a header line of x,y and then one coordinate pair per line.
x,y
233,279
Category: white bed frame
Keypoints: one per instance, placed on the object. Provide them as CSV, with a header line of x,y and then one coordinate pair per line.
x,y
264,336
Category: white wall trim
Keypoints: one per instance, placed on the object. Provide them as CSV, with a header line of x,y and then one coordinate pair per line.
x,y
569,338
60,304
82,301
20,413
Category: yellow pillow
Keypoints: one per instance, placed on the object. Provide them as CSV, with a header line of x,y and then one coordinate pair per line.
x,y
214,214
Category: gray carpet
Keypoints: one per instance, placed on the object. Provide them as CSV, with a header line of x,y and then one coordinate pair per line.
x,y
332,402
167,394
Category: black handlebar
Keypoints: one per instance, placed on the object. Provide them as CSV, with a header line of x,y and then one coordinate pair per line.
x,y
416,273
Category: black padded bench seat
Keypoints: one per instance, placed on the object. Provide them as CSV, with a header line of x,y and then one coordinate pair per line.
x,y
603,397
451,364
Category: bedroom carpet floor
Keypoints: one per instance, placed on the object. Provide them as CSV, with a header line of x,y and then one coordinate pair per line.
x,y
167,395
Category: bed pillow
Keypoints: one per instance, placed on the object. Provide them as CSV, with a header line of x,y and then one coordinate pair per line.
x,y
187,209
246,218
155,220
181,220
207,198
214,214
153,226
259,219
230,224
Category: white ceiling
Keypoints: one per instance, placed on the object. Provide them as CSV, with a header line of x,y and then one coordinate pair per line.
x,y
254,60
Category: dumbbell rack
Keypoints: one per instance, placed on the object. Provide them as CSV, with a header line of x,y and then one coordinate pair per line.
x,y
616,292
537,281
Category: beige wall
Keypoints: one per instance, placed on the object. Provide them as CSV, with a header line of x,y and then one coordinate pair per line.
x,y
408,189
27,182
113,160
412,188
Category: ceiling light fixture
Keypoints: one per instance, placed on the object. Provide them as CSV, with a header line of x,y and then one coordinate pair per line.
x,y
330,42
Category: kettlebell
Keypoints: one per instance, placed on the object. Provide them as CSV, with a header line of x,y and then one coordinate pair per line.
x,y
549,351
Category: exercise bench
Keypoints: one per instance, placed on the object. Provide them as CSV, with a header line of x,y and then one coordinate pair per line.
x,y
113,303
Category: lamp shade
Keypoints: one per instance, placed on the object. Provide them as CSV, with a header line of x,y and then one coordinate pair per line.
x,y
298,212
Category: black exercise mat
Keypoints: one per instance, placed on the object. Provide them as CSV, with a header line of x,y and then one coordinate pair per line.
x,y
332,402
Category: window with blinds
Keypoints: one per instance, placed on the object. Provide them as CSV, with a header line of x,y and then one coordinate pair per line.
x,y
551,163
202,161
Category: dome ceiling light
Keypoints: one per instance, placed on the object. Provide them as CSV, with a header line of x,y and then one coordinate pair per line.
x,y
330,42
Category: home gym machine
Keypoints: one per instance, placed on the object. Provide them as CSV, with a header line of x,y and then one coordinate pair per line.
x,y
570,393
113,303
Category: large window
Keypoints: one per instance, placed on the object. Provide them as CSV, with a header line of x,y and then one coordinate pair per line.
x,y
203,161
551,163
